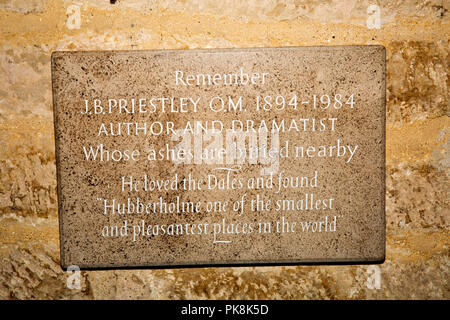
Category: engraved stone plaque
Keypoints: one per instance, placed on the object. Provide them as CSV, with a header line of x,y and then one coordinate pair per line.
x,y
220,157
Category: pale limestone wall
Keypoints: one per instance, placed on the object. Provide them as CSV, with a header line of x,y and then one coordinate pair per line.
x,y
416,37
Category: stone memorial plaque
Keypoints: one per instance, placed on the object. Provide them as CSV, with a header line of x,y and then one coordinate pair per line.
x,y
218,157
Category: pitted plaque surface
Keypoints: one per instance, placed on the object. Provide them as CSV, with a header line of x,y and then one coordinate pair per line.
x,y
213,157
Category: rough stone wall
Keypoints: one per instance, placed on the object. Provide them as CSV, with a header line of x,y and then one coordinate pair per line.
x,y
416,37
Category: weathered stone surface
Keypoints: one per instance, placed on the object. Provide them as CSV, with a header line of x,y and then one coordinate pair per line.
x,y
31,6
415,34
27,173
328,11
417,81
417,267
417,197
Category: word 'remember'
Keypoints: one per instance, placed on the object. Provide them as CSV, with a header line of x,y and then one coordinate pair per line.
x,y
217,79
